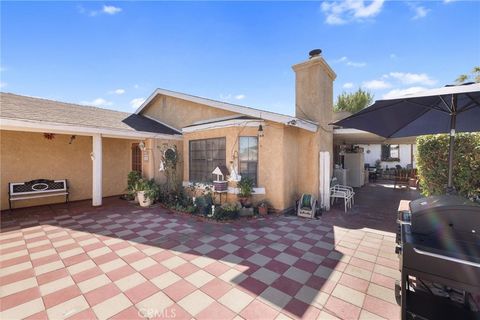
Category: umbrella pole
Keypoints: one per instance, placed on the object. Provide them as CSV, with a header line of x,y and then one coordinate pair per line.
x,y
453,120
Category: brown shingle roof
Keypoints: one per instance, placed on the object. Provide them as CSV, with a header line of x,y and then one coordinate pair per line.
x,y
17,107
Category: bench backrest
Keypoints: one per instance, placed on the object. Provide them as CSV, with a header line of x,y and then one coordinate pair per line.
x,y
37,186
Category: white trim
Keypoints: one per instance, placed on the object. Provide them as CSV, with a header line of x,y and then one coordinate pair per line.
x,y
223,124
216,119
162,123
267,115
60,128
231,190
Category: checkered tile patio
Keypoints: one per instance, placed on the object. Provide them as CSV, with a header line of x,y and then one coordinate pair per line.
x,y
122,262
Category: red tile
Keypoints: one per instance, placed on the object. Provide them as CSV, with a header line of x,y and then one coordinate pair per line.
x,y
17,276
101,294
186,269
367,265
140,292
129,313
162,256
19,298
60,296
44,260
215,311
70,261
153,271
119,245
287,285
277,266
216,268
120,273
40,248
387,262
321,284
67,247
87,314
133,257
42,315
258,311
269,252
87,274
14,261
342,309
13,249
217,254
179,290
383,280
297,308
52,276
253,285
105,258
216,288
93,246
381,307
368,250
176,312
306,265
354,282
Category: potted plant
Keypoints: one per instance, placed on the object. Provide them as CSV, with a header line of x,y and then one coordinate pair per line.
x,y
263,207
246,189
132,181
147,192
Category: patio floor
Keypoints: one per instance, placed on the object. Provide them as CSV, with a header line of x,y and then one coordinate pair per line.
x,y
123,262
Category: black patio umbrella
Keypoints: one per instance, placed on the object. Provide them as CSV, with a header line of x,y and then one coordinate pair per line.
x,y
449,109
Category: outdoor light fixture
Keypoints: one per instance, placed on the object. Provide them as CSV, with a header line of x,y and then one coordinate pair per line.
x,y
72,138
92,156
141,145
260,131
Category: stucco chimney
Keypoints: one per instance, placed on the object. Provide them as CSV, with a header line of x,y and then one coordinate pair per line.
x,y
314,89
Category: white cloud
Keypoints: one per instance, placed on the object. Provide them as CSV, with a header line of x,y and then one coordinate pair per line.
x,y
348,85
3,84
119,91
111,10
99,102
376,84
419,11
351,63
449,1
341,12
412,78
400,92
240,96
137,102
136,86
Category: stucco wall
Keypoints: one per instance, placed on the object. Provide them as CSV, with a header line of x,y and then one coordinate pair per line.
x,y
271,174
26,156
151,165
376,153
179,113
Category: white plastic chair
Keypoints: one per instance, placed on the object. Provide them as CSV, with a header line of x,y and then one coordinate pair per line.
x,y
342,192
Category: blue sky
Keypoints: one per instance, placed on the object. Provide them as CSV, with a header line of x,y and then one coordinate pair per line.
x,y
114,54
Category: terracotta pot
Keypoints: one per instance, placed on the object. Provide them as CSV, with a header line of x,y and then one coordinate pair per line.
x,y
263,210
245,202
143,200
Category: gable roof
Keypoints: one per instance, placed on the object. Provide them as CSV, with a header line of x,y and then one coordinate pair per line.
x,y
17,108
257,113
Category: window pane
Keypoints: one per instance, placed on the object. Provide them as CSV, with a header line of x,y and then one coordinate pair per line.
x,y
205,156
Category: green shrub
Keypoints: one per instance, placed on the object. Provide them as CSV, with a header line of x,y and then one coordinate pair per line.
x,y
227,211
432,164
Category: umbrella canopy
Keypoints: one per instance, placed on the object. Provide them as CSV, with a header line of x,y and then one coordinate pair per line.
x,y
444,110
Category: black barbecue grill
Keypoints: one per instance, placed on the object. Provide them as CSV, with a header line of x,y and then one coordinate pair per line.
x,y
438,242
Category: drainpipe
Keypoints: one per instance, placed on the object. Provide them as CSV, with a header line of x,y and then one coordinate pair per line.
x,y
96,156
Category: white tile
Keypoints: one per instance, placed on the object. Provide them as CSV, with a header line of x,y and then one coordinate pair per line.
x,y
235,300
143,263
195,302
17,286
202,262
99,252
49,267
112,306
173,262
15,268
93,283
233,276
265,275
68,308
297,275
165,280
13,255
82,266
112,265
275,298
56,285
199,278
130,281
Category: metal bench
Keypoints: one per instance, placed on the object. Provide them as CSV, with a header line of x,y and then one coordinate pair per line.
x,y
39,188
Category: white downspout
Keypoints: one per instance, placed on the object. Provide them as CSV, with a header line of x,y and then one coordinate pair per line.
x,y
96,170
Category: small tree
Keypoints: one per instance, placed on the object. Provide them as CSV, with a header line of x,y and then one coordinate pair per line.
x,y
474,76
353,102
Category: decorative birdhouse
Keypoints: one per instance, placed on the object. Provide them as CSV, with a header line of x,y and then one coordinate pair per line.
x,y
220,184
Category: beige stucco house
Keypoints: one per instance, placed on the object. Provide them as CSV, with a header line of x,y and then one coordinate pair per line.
x,y
96,148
